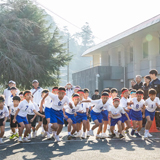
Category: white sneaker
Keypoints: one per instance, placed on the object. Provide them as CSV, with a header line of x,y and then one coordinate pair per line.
x,y
98,136
104,135
44,134
48,136
80,132
57,138
91,133
109,131
145,135
88,135
20,140
25,139
123,133
149,135
29,136
116,133
34,135
50,129
1,141
83,136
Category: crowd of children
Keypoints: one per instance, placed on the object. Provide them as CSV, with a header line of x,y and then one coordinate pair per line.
x,y
38,107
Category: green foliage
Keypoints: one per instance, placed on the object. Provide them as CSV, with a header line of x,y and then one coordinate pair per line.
x,y
28,48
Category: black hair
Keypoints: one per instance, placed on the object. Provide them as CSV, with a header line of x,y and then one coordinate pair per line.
x,y
61,89
105,94
152,91
20,93
133,90
153,71
80,90
140,91
114,90
96,90
45,91
2,99
17,98
27,91
13,88
55,87
75,95
130,89
148,77
86,90
106,90
123,89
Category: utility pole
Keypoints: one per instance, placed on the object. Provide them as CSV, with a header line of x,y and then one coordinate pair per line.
x,y
68,55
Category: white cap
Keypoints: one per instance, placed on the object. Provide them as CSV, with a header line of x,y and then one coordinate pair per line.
x,y
35,81
11,82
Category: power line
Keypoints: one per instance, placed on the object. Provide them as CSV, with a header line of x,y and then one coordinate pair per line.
x,y
64,19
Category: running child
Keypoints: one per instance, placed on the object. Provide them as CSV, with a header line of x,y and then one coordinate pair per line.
x,y
55,90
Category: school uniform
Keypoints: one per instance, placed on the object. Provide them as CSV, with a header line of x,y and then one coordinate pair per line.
x,y
106,109
56,113
37,94
3,113
48,106
119,111
10,100
88,105
31,114
136,114
24,107
12,113
151,107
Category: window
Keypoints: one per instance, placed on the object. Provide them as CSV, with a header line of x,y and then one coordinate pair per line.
x,y
108,60
131,54
119,58
145,50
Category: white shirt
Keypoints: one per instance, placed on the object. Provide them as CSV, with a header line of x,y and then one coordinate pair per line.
x,y
12,109
151,105
99,106
69,93
58,104
137,106
37,94
84,106
30,111
115,111
10,99
24,107
4,112
110,101
74,109
7,94
48,102
123,103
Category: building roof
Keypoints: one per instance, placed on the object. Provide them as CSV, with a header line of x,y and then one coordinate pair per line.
x,y
126,33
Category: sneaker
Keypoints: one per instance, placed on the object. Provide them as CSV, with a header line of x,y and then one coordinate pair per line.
x,y
88,135
112,135
1,141
34,135
121,136
80,133
29,136
20,140
17,135
116,133
91,133
98,136
57,138
149,135
60,136
138,135
48,136
145,135
123,133
44,134
127,131
83,136
69,137
25,139
132,132
104,135
12,136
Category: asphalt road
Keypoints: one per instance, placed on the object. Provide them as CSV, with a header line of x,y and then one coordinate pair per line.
x,y
129,148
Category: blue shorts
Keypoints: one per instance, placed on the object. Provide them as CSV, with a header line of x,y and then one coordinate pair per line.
x,y
56,116
136,115
115,121
47,112
96,116
151,114
105,115
130,112
124,118
72,117
80,117
22,119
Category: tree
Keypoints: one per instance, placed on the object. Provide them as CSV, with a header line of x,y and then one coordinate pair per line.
x,y
28,48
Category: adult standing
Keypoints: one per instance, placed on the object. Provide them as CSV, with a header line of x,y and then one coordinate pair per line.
x,y
139,82
146,86
69,90
133,82
96,95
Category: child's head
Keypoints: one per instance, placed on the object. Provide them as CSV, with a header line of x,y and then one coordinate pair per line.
x,y
16,101
27,95
81,93
55,90
96,92
61,92
1,101
44,92
105,97
133,93
106,90
114,92
139,94
21,96
76,89
13,90
153,73
86,92
116,102
75,98
125,92
152,93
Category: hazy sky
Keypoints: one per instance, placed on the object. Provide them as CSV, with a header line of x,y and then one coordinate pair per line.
x,y
106,17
